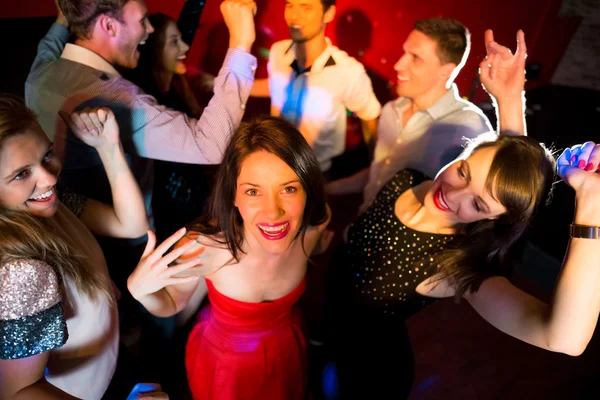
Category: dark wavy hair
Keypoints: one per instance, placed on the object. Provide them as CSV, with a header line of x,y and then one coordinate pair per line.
x,y
276,136
151,52
521,178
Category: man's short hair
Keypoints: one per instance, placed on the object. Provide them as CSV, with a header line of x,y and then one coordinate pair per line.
x,y
82,14
327,4
451,36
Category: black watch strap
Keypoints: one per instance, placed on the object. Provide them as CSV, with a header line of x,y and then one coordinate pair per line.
x,y
584,231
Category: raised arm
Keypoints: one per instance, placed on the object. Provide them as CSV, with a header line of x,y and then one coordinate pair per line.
x,y
164,134
126,218
566,324
51,46
502,75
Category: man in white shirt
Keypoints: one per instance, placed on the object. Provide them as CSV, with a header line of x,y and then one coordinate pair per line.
x,y
312,83
425,127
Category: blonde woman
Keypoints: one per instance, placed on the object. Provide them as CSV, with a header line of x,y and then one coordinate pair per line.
x,y
59,330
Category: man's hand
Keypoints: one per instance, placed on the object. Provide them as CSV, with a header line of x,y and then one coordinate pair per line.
x,y
239,18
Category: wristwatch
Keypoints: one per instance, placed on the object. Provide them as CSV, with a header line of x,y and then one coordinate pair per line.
x,y
584,231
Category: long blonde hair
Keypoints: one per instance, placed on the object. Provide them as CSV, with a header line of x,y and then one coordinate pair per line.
x,y
23,236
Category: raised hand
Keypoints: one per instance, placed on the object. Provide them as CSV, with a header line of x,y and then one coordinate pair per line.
x,y
502,73
60,18
579,166
96,127
239,18
153,272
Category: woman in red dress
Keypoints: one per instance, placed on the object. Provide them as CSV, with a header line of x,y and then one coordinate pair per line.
x,y
267,214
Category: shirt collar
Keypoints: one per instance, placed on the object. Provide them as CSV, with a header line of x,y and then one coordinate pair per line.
x,y
73,52
441,107
324,60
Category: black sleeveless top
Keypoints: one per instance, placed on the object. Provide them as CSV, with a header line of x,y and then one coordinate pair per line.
x,y
385,260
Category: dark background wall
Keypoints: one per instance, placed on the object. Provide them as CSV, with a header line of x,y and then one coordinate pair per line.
x,y
374,31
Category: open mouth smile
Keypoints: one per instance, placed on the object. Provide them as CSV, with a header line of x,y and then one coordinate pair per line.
x,y
439,201
274,231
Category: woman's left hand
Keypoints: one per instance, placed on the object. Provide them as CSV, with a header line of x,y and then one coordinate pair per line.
x,y
153,272
579,166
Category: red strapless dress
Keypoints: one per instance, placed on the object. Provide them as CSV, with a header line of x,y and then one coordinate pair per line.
x,y
242,350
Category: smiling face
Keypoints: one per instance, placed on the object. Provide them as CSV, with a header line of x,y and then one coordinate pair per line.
x,y
419,70
28,173
271,201
459,194
174,50
133,30
307,19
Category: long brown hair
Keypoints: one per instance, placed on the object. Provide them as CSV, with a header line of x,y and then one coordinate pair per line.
x,y
520,178
151,53
282,139
23,236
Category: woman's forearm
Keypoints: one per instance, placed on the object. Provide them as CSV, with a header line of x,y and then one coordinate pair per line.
x,y
576,301
128,201
160,303
511,115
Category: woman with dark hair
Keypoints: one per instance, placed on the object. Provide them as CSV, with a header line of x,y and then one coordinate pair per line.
x,y
161,67
454,236
180,190
267,213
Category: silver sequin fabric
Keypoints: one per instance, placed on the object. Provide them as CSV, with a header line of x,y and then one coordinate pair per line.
x,y
31,314
27,287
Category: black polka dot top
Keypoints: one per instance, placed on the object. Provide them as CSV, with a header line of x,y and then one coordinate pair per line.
x,y
387,260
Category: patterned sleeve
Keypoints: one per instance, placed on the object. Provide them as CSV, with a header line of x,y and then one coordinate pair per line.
x,y
32,320
163,134
75,202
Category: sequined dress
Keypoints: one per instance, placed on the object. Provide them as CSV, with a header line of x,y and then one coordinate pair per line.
x,y
241,350
371,292
42,311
